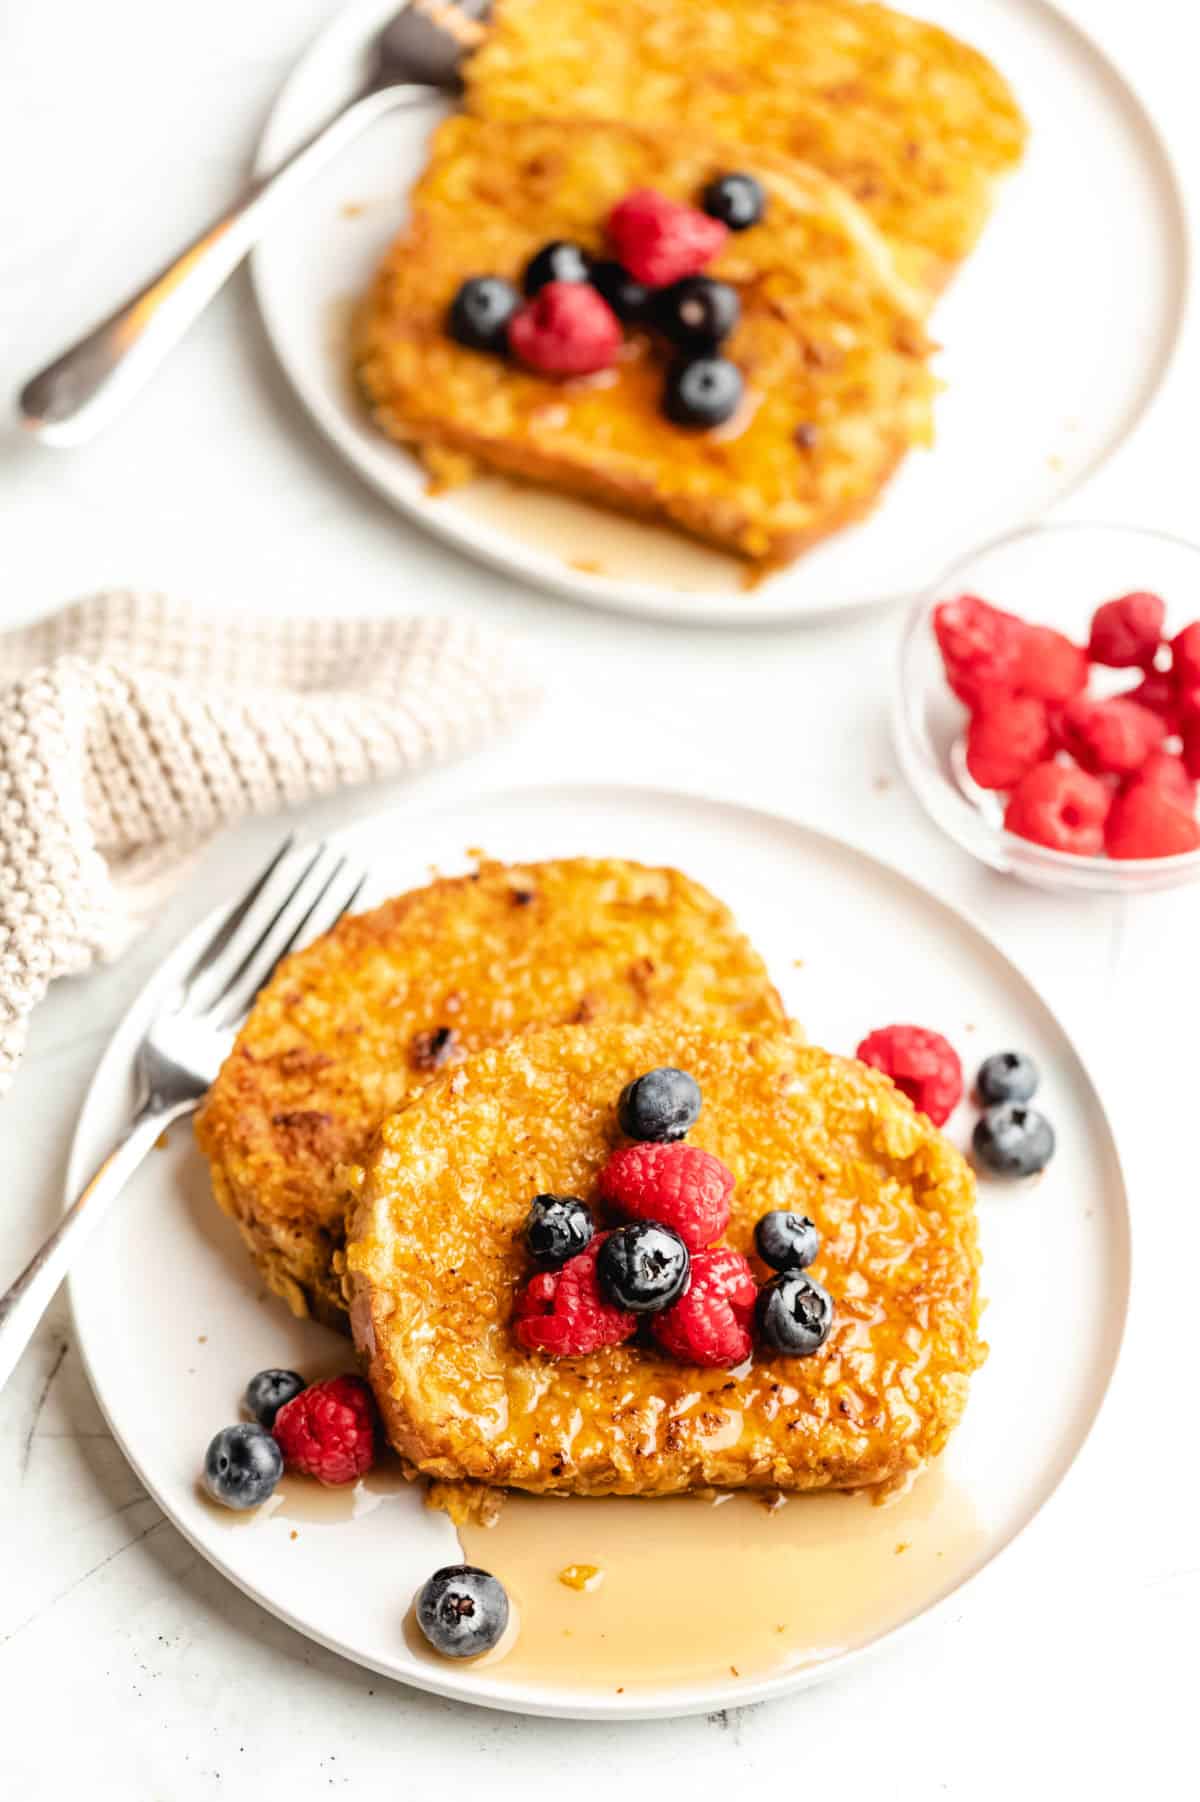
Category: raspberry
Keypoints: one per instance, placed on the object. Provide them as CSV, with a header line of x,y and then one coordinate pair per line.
x,y
1113,737
1061,807
1157,691
710,1323
1191,747
922,1064
659,241
566,329
678,1185
328,1430
1187,702
1051,667
1169,776
1185,655
562,1312
1145,822
981,648
1127,632
1006,738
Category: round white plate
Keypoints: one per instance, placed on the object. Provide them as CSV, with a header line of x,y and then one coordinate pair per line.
x,y
172,1319
1056,334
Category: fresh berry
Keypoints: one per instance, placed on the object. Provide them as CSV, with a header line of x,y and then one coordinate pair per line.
x,y
1051,667
660,241
1145,822
1191,747
696,314
662,1105
268,1391
737,200
981,648
1112,737
1060,807
628,299
558,261
704,392
481,311
1185,656
462,1610
1187,702
1127,632
795,1314
642,1268
1168,774
1006,1076
786,1241
684,1187
1006,738
563,1313
922,1064
328,1431
711,1322
242,1466
1013,1140
566,329
557,1229
1158,692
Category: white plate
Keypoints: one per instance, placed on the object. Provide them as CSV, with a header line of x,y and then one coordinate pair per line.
x,y
171,1318
1056,333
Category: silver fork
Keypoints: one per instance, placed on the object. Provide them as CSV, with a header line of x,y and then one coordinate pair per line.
x,y
421,49
183,1049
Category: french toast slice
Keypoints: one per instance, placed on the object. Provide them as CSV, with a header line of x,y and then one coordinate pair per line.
x,y
350,1027
915,124
436,1257
829,343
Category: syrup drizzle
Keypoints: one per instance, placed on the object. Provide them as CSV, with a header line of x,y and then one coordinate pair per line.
x,y
695,1590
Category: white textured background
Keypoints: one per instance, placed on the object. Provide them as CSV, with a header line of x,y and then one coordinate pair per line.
x,y
127,1668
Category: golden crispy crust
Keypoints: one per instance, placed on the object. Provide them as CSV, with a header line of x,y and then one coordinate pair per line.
x,y
829,341
435,1260
352,1026
915,124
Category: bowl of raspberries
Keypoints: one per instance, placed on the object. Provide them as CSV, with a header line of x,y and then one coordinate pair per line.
x,y
1047,710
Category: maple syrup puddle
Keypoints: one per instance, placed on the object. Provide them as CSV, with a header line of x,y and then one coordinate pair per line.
x,y
597,542
696,1590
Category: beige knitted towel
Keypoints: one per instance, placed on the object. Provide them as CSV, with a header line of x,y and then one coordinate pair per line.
x,y
131,728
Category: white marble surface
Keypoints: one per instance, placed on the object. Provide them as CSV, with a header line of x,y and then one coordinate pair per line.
x,y
128,1668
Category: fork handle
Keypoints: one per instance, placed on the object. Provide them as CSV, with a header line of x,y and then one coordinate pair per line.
x,y
76,395
24,1304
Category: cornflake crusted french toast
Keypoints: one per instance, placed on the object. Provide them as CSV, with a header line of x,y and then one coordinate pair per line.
x,y
829,344
915,124
436,1260
350,1027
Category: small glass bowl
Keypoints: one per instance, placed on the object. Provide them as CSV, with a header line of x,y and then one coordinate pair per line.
x,y
1053,575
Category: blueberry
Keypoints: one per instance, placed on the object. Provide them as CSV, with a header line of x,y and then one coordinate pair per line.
x,y
737,200
786,1241
1008,1076
703,392
643,1267
629,299
267,1392
462,1610
1013,1140
661,1106
558,1228
558,261
242,1466
480,312
794,1314
696,313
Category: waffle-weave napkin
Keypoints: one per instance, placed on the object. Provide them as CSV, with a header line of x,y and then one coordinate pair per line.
x,y
132,728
